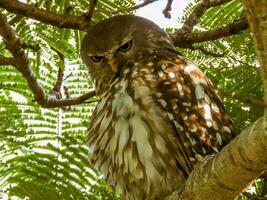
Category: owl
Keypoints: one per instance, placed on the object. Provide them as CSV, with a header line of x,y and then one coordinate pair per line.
x,y
157,115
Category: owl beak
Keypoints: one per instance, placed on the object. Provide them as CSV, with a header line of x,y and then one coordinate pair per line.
x,y
113,64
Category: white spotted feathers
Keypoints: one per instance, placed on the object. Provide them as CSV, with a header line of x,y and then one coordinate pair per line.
x,y
193,107
153,124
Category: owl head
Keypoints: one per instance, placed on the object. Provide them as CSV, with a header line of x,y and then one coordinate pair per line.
x,y
113,44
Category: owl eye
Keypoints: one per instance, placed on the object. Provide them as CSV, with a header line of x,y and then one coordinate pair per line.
x,y
126,46
97,58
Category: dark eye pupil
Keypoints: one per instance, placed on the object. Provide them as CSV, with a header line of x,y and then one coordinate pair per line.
x,y
97,58
126,46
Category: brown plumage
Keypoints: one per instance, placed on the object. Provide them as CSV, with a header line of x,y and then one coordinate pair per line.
x,y
158,114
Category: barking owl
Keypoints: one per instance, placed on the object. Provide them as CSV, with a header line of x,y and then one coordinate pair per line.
x,y
157,114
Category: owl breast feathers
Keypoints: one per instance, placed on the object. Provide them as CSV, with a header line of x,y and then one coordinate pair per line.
x,y
158,114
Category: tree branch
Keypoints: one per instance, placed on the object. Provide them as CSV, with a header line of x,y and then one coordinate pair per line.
x,y
53,103
91,9
56,93
229,172
183,39
60,21
145,3
228,30
21,63
199,11
167,9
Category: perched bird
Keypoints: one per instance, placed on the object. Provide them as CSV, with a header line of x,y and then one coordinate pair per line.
x,y
157,114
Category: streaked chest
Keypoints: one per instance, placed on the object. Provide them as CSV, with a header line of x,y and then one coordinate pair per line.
x,y
126,130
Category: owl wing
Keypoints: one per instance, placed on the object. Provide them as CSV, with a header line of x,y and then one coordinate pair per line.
x,y
193,107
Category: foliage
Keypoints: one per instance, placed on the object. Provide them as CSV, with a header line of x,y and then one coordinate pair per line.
x,y
43,151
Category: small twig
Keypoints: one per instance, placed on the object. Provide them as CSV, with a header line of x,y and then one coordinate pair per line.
x,y
193,18
207,52
67,76
55,92
145,3
67,95
69,101
91,101
167,9
66,92
56,89
62,103
91,9
60,73
60,55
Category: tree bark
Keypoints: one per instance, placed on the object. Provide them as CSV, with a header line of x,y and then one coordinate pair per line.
x,y
228,173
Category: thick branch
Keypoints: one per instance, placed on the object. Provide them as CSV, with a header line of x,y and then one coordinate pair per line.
x,y
21,63
60,21
229,172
